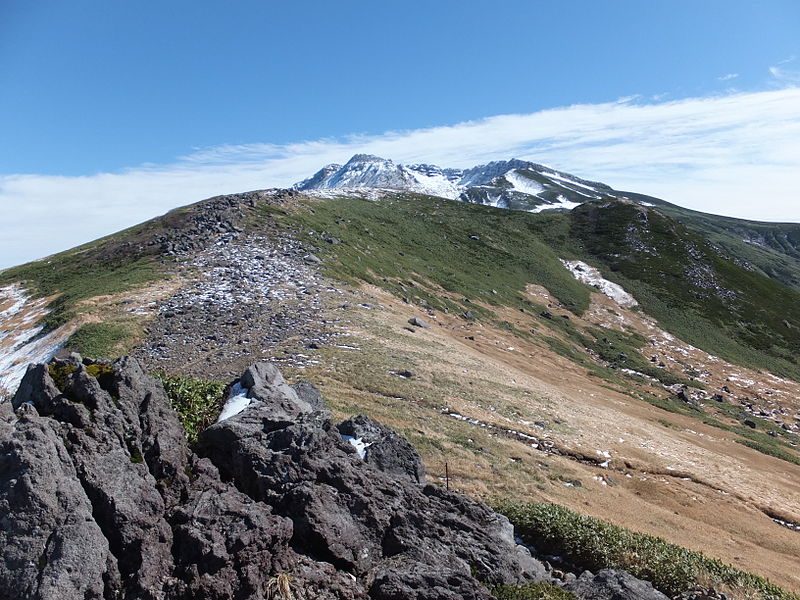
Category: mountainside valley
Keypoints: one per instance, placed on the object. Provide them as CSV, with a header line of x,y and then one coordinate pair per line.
x,y
617,375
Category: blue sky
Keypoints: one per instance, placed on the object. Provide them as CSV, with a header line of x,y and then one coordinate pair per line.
x,y
132,108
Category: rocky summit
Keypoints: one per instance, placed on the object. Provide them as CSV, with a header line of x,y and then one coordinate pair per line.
x,y
103,498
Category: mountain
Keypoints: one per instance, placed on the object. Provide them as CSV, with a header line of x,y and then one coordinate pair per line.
x,y
514,184
772,249
625,360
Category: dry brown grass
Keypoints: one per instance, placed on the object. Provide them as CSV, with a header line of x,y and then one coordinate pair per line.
x,y
505,382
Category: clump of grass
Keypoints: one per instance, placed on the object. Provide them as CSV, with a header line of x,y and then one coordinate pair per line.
x,y
99,339
279,587
594,544
59,374
532,591
197,402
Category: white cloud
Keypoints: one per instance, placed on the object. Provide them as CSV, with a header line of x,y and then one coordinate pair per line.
x,y
735,154
785,76
728,77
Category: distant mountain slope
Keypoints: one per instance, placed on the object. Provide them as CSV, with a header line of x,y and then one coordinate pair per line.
x,y
772,249
514,184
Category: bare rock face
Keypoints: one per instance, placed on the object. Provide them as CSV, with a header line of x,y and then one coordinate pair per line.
x,y
613,584
101,498
385,450
371,519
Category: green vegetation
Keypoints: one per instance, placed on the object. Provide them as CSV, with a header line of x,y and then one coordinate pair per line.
x,y
594,545
109,265
692,288
79,274
531,591
99,339
413,244
197,402
59,374
773,249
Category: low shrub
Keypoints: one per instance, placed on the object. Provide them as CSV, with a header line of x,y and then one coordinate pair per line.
x,y
197,402
594,544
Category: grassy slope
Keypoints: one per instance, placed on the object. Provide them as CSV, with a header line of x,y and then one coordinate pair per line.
x,y
417,246
406,242
775,254
479,253
723,308
106,266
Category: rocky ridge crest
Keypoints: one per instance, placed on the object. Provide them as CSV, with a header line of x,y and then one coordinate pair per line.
x,y
103,498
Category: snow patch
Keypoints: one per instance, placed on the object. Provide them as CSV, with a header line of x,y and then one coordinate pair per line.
x,y
562,203
591,276
358,444
237,401
19,345
523,184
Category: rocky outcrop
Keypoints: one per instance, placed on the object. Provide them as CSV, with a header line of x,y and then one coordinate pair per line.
x,y
384,449
613,584
102,498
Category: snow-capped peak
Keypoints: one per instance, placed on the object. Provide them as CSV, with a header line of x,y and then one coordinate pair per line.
x,y
514,183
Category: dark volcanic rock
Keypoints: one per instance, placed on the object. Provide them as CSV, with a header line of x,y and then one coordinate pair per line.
x,y
101,498
309,393
349,513
51,547
613,584
386,450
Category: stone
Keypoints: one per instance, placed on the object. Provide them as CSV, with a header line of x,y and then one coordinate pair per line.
x,y
613,584
309,393
386,451
417,322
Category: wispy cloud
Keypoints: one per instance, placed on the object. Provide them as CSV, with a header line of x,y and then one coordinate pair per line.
x,y
785,75
728,77
735,154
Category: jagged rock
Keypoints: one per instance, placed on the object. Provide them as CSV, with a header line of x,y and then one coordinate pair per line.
x,y
266,384
226,544
102,498
348,513
424,579
613,584
50,545
309,393
386,450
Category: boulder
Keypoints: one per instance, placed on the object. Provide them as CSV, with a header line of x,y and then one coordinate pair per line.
x,y
386,450
348,512
613,584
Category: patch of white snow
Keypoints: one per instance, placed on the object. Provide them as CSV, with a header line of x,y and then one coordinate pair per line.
x,y
524,184
591,276
19,345
358,444
562,203
237,401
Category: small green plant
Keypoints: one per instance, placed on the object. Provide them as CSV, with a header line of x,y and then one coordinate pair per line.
x,y
531,591
59,374
197,402
594,544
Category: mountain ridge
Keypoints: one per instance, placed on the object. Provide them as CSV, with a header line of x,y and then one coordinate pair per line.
x,y
499,342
